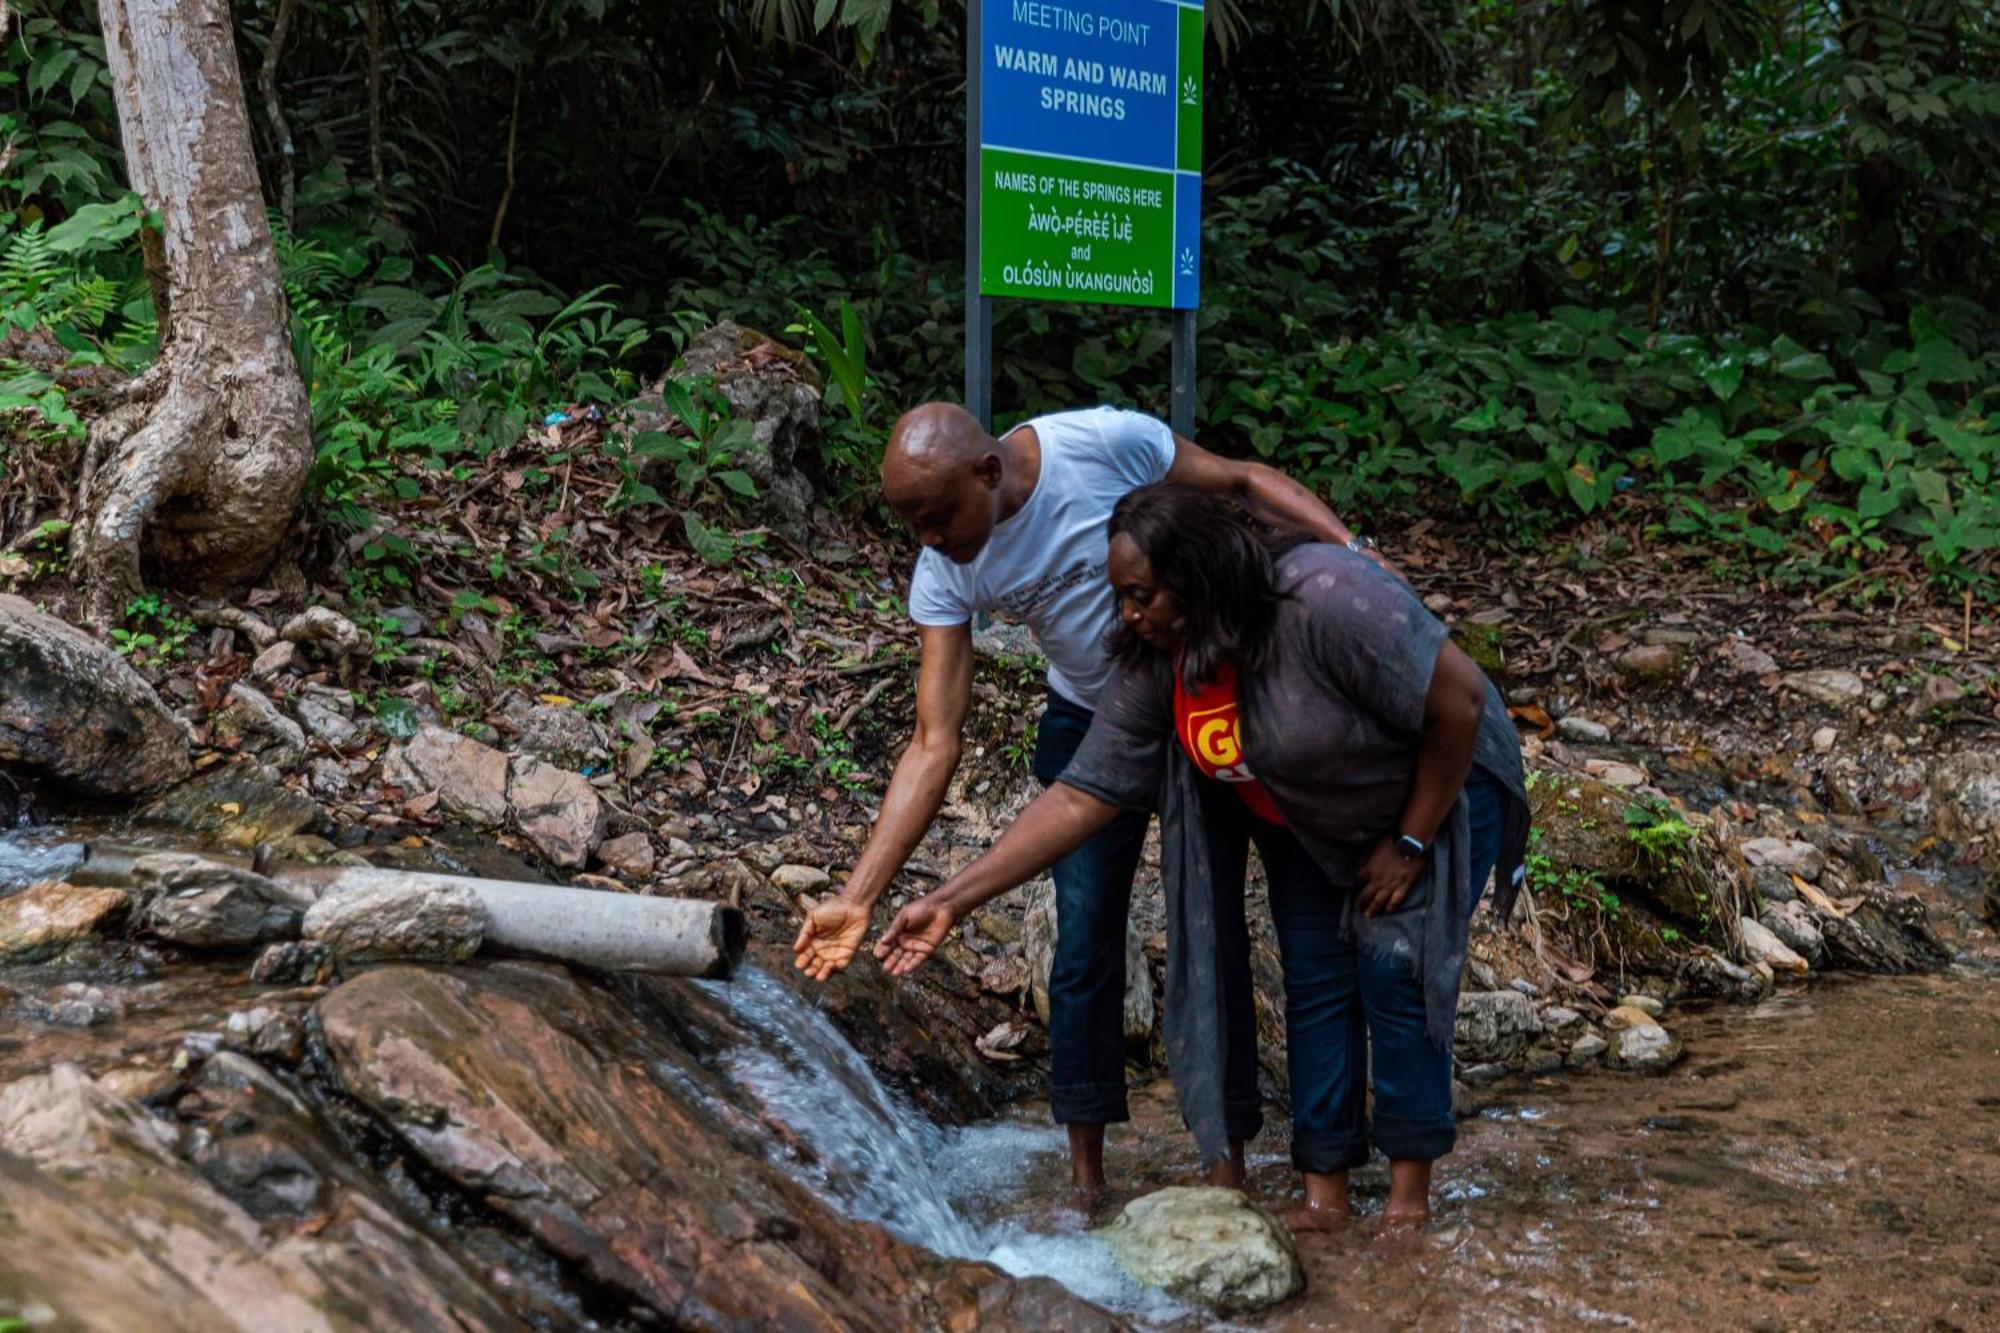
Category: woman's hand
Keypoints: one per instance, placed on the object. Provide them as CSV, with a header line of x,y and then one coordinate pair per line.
x,y
1386,878
830,937
915,933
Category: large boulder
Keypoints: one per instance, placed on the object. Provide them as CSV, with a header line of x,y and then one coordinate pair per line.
x,y
772,387
1210,1247
578,1113
74,711
107,1225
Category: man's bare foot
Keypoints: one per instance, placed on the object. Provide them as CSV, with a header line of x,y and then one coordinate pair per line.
x,y
1400,1233
1309,1218
1229,1173
1080,1204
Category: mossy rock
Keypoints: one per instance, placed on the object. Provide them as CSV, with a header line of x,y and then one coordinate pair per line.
x,y
1647,868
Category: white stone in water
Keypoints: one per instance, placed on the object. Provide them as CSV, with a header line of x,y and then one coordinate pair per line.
x,y
1823,739
1646,1048
1210,1247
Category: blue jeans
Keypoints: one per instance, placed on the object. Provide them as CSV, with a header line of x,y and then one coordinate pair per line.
x,y
1087,981
1340,1002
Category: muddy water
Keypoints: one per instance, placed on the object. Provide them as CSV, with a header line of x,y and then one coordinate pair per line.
x,y
1827,1159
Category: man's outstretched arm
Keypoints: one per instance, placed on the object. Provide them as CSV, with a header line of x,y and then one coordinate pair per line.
x,y
833,931
1268,492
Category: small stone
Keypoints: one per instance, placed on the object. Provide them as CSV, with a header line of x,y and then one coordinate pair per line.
x,y
1878,702
251,723
1773,884
630,856
44,919
81,1005
680,849
469,778
1560,1018
439,922
1526,987
1612,773
327,779
1645,1004
1747,658
557,810
1474,1076
327,722
800,879
560,736
291,963
1765,947
275,659
1582,729
1587,1048
1831,687
1651,661
1207,1246
1627,1016
1789,855
1823,739
1645,1049
1793,924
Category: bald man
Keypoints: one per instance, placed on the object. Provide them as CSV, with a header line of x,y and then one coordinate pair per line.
x,y
1015,526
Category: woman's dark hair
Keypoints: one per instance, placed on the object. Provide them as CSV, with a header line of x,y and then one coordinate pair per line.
x,y
1216,560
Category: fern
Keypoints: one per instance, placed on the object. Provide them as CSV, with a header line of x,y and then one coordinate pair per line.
x,y
29,269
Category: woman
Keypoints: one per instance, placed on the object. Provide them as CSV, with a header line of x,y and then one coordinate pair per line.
x,y
1298,696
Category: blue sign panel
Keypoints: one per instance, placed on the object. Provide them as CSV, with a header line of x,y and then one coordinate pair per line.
x,y
1089,182
1096,79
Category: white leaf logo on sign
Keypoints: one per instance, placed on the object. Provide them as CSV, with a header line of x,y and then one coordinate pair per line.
x,y
1187,262
1190,92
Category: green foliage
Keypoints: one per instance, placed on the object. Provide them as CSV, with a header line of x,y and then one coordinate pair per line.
x,y
1655,828
153,633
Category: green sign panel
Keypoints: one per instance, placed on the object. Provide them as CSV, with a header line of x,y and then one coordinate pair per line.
x,y
1090,151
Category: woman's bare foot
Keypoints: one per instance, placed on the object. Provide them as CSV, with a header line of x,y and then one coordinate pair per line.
x,y
1310,1218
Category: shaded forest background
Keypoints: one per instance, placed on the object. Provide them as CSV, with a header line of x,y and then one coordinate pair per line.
x,y
1729,268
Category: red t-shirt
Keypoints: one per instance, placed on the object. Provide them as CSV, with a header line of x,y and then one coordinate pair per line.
x,y
1205,721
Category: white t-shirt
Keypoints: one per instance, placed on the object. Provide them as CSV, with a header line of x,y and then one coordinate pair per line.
x,y
1045,565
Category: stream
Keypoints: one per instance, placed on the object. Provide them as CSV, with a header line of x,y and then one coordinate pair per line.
x,y
1826,1158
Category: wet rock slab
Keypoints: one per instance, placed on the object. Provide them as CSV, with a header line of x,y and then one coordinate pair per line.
x,y
73,710
615,1149
108,1226
44,919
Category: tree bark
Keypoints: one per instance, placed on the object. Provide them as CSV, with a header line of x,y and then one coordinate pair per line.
x,y
199,466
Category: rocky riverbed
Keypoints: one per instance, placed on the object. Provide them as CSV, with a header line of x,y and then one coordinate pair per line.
x,y
1683,1104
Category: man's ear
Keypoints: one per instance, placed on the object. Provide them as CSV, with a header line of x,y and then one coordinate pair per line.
x,y
989,470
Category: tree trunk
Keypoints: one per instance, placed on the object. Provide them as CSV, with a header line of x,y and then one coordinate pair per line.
x,y
199,465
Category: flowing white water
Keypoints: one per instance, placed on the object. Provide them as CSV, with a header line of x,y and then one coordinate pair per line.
x,y
880,1160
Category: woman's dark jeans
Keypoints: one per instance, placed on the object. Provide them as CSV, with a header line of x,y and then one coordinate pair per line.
x,y
1087,981
1338,998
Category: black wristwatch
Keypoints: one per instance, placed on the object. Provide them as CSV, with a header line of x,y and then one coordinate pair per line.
x,y
1411,848
1360,545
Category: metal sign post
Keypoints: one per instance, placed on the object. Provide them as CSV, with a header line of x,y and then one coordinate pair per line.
x,y
1083,168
